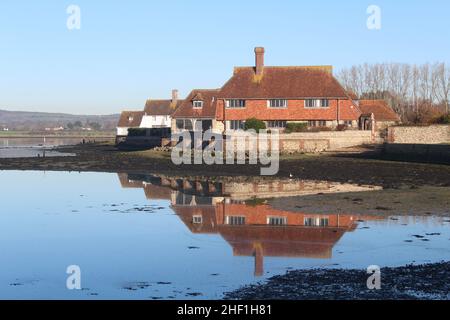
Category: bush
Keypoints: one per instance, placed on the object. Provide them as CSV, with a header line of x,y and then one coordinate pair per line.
x,y
319,129
296,127
443,119
341,127
255,124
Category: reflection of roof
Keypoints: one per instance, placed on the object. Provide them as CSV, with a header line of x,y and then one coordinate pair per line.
x,y
157,192
130,119
279,241
380,110
126,183
208,213
283,83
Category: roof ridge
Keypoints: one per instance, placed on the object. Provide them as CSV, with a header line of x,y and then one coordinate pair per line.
x,y
150,99
205,90
325,66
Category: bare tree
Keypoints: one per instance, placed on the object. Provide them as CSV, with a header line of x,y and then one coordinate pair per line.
x,y
442,75
411,90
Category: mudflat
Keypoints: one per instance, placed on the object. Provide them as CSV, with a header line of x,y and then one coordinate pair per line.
x,y
104,157
430,281
416,201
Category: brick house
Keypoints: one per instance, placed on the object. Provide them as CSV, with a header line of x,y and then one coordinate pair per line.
x,y
198,112
279,95
276,95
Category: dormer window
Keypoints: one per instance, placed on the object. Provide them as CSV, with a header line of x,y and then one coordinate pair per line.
x,y
197,104
130,119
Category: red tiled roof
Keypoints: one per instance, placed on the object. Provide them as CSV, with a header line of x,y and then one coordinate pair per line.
x,y
209,98
160,107
379,108
283,82
130,119
352,95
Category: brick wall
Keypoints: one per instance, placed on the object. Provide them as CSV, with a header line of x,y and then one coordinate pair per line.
x,y
295,111
436,134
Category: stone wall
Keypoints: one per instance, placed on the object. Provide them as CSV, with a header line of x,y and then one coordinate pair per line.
x,y
436,134
323,141
312,142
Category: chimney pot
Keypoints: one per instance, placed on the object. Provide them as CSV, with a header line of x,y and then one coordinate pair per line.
x,y
259,60
174,97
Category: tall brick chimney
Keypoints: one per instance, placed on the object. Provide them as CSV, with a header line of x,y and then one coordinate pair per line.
x,y
259,60
174,98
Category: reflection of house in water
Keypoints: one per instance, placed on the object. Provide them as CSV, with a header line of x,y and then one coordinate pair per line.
x,y
261,231
250,226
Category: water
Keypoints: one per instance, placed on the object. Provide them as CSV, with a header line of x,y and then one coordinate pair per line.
x,y
34,147
147,237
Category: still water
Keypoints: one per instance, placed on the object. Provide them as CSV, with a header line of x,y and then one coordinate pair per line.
x,y
36,147
155,237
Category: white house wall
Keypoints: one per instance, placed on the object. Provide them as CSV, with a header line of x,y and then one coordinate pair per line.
x,y
122,131
156,122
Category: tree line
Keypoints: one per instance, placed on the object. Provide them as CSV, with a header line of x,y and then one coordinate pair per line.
x,y
418,93
78,125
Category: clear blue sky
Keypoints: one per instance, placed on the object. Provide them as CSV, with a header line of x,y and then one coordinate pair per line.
x,y
129,51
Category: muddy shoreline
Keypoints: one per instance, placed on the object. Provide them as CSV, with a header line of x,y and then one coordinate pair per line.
x,y
405,201
103,157
411,282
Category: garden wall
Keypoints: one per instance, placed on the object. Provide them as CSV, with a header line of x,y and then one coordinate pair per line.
x,y
312,142
436,134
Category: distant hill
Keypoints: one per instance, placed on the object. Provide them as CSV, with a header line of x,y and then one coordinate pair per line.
x,y
23,120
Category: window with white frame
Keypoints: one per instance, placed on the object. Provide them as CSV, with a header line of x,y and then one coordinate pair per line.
x,y
235,103
276,124
348,123
235,220
237,124
197,219
197,104
317,123
277,103
316,222
277,221
317,103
